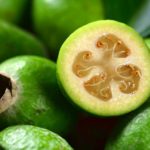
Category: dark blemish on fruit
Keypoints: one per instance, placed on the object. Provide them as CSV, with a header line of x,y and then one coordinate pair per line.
x,y
5,83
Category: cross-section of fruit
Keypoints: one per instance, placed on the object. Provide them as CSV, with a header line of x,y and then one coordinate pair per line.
x,y
104,67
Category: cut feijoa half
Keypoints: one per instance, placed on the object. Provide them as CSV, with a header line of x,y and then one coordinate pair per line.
x,y
104,68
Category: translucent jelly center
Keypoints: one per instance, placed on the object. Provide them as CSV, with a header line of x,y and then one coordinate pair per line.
x,y
127,76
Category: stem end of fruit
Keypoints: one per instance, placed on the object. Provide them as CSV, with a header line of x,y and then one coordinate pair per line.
x,y
8,92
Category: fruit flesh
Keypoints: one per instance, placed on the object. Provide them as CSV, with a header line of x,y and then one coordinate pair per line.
x,y
127,76
105,64
27,137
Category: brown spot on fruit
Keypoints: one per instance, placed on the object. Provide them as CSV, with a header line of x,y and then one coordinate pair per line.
x,y
8,92
5,83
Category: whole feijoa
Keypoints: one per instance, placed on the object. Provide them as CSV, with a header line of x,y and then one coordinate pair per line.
x,y
104,68
54,20
27,137
29,94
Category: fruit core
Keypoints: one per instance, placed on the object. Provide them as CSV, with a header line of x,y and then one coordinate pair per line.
x,y
5,83
127,75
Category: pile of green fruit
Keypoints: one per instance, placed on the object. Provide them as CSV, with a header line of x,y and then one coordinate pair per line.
x,y
77,69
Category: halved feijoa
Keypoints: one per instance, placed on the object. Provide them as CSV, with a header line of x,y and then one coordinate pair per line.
x,y
104,67
27,137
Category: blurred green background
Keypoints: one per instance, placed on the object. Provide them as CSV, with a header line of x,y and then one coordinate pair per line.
x,y
136,13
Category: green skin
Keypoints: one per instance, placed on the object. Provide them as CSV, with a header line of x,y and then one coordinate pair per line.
x,y
39,101
54,20
133,131
29,137
14,41
12,10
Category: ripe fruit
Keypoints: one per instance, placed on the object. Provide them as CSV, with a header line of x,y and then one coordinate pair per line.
x,y
26,137
54,20
30,95
14,41
106,66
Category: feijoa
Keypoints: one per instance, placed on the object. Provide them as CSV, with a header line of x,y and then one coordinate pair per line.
x,y
104,67
14,41
27,137
29,94
54,20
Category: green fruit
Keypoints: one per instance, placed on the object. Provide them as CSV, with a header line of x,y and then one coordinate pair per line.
x,y
12,10
132,132
106,66
14,41
147,41
30,95
54,20
26,137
